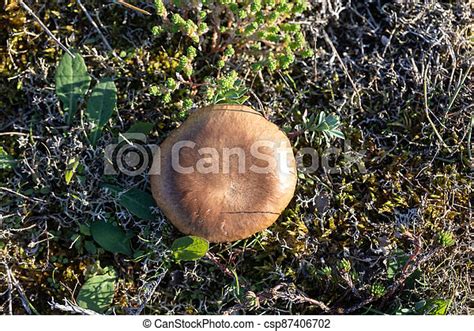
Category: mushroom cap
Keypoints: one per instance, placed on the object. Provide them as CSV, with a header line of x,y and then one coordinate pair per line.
x,y
223,196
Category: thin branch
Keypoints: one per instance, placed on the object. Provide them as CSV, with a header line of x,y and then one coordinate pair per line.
x,y
69,307
19,134
458,88
25,302
125,4
469,141
45,28
297,296
426,108
10,289
413,263
305,299
21,195
344,68
222,267
94,24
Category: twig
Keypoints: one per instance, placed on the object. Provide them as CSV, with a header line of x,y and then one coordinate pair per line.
x,y
18,134
357,306
469,142
69,307
21,195
216,261
344,68
48,32
410,266
347,278
303,298
425,95
150,289
24,301
458,88
89,17
10,289
125,4
298,297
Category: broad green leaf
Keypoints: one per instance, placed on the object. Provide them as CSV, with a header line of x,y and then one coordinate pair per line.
x,y
332,121
85,229
70,170
336,133
72,82
90,247
111,238
6,161
138,202
141,127
114,189
97,293
432,307
2,245
437,307
100,107
189,248
396,263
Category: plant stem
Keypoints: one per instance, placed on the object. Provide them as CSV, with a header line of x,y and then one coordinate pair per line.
x,y
48,32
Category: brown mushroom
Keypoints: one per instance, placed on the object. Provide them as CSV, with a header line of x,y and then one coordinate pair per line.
x,y
224,174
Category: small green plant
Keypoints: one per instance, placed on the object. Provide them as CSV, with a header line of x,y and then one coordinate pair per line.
x,y
137,202
97,293
446,239
6,161
100,107
227,89
325,271
111,237
71,168
258,27
189,248
264,34
344,265
72,84
327,125
423,307
377,290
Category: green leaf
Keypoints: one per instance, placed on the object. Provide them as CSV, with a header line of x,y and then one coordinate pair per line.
x,y
100,107
138,202
70,170
72,82
396,263
114,189
97,293
336,134
432,307
111,237
141,127
189,248
6,161
332,121
437,307
90,247
85,229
